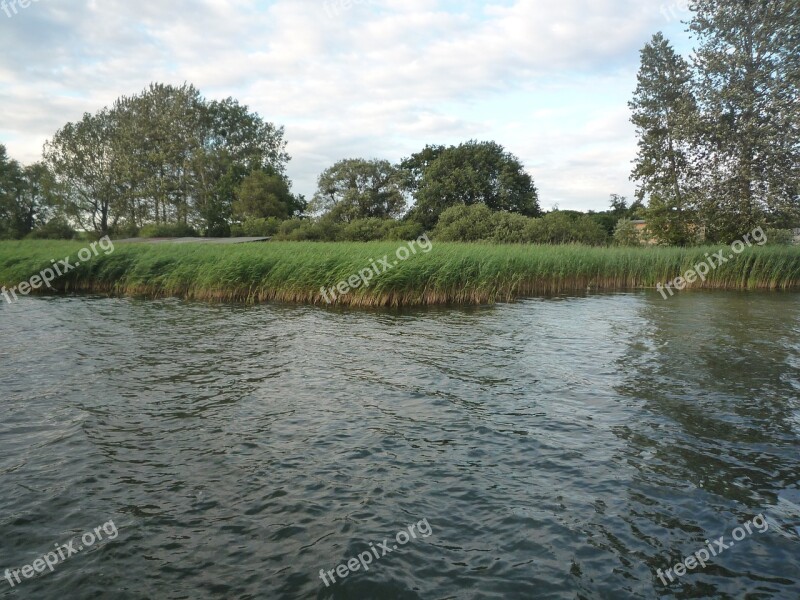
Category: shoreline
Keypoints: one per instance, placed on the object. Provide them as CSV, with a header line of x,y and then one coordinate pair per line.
x,y
439,275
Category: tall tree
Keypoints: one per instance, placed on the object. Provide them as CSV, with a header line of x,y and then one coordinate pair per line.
x,y
472,173
264,195
665,115
83,158
747,63
10,187
165,155
360,189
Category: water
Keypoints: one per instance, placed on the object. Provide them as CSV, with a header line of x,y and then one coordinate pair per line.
x,y
557,448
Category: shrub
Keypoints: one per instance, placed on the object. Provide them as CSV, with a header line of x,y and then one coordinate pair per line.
x,y
464,223
559,227
364,230
167,230
55,229
626,234
257,227
509,228
780,237
126,230
403,231
299,230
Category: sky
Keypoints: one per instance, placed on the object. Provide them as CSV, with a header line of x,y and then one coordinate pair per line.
x,y
548,79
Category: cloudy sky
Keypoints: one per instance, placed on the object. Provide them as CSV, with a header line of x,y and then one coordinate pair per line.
x,y
548,79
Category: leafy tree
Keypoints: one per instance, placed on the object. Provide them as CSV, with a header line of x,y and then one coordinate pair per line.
x,y
748,82
82,157
414,166
163,156
28,198
509,228
474,173
264,195
665,115
559,227
10,187
360,189
464,223
626,234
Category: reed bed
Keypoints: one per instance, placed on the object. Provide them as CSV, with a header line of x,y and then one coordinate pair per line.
x,y
450,273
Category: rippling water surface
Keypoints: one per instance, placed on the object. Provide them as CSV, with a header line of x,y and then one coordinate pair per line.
x,y
558,448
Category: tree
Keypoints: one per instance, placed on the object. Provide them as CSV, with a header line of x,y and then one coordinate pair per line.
x,y
360,189
264,195
748,81
163,156
563,227
82,157
10,186
473,173
414,166
626,234
665,116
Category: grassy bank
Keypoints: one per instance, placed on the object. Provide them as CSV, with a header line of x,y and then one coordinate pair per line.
x,y
448,274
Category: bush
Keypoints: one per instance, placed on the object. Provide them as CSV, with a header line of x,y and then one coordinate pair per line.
x,y
464,223
626,234
364,230
559,227
402,231
55,229
167,230
509,228
124,231
780,237
218,230
257,228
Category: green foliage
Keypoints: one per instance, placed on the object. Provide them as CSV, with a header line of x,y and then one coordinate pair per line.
x,y
464,223
626,234
173,230
780,237
57,228
748,84
124,231
509,228
364,230
257,228
471,173
403,230
665,115
359,189
476,223
264,195
449,273
165,155
558,227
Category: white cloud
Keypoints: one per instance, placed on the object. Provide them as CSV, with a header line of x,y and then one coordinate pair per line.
x,y
382,78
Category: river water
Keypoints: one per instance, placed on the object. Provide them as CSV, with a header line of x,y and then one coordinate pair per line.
x,y
569,448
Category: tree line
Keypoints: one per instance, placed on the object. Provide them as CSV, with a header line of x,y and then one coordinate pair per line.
x,y
718,155
719,136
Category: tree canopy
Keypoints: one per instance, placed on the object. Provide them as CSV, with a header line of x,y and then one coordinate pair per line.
x,y
470,173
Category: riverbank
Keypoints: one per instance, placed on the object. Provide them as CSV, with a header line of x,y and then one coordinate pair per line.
x,y
297,272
